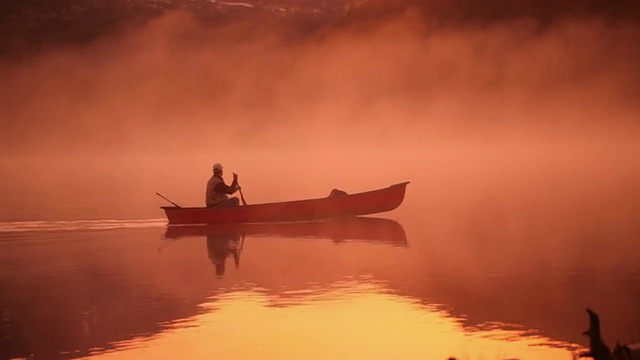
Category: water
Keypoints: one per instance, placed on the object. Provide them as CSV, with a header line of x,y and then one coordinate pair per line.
x,y
381,288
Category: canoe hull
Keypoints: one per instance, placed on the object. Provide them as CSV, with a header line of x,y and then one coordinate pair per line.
x,y
364,203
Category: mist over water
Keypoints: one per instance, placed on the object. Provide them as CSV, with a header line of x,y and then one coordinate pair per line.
x,y
503,114
520,136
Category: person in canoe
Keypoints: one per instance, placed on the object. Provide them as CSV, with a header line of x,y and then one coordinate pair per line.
x,y
218,192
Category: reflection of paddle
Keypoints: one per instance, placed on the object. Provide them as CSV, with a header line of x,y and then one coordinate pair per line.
x,y
174,204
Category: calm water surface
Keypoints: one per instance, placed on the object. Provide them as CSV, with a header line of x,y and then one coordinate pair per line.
x,y
372,288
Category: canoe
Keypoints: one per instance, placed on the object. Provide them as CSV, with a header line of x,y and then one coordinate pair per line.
x,y
346,230
364,203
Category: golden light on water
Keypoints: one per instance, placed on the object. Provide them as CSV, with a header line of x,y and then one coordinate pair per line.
x,y
350,321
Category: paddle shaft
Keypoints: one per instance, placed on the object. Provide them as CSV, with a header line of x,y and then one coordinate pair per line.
x,y
174,204
241,196
235,179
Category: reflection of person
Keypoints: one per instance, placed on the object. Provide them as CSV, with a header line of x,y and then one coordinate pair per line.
x,y
218,192
219,247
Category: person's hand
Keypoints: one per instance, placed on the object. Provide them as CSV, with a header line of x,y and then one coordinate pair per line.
x,y
235,177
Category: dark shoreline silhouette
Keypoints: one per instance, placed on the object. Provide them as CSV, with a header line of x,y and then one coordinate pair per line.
x,y
30,27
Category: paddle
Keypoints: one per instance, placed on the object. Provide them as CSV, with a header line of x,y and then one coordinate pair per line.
x,y
235,176
174,204
242,196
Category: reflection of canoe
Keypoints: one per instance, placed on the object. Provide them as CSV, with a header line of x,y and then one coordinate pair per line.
x,y
364,203
339,230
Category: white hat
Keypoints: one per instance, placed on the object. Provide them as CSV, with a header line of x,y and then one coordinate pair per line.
x,y
217,167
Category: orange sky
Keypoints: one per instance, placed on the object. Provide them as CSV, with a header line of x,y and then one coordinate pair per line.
x,y
96,130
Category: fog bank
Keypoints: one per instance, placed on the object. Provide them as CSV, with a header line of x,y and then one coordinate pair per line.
x,y
346,105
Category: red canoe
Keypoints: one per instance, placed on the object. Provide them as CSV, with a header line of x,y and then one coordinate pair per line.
x,y
365,203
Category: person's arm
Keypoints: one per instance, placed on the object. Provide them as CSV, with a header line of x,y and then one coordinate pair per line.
x,y
234,183
221,187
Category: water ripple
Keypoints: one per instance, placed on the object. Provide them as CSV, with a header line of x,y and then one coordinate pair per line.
x,y
72,225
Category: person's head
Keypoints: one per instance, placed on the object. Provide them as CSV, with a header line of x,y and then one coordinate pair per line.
x,y
217,169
